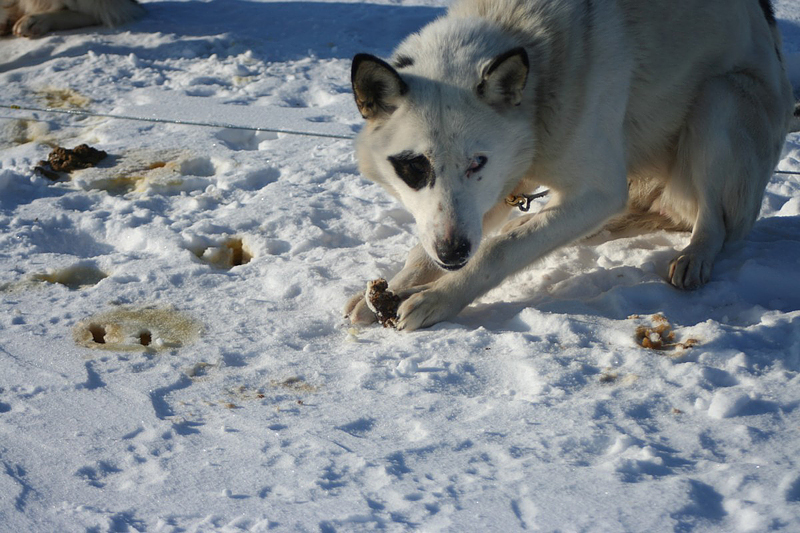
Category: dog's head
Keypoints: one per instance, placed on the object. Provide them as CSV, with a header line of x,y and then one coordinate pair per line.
x,y
446,134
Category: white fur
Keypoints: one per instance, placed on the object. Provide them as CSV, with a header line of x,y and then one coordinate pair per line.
x,y
627,104
33,18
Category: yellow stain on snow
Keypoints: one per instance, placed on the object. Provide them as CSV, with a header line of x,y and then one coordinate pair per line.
x,y
62,98
137,329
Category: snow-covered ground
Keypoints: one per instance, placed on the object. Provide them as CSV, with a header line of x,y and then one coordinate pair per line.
x,y
255,406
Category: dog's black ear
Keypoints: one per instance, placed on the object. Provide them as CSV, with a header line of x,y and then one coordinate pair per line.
x,y
504,78
377,86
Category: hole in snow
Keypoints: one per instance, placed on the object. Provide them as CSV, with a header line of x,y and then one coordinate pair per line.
x,y
227,255
145,337
74,277
98,333
137,329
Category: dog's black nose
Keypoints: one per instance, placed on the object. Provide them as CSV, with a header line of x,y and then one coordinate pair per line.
x,y
453,253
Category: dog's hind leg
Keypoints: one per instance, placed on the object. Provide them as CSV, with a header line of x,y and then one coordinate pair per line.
x,y
725,156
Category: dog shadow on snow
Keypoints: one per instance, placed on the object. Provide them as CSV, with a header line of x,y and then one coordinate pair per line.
x,y
271,31
759,273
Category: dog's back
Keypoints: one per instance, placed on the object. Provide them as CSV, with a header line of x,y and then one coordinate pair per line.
x,y
666,41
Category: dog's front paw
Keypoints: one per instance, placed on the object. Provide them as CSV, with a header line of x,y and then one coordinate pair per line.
x,y
32,26
690,270
427,306
358,312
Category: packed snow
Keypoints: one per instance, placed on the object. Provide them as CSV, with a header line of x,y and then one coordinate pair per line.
x,y
173,355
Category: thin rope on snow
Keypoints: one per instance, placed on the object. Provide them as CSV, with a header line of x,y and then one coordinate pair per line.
x,y
80,112
83,113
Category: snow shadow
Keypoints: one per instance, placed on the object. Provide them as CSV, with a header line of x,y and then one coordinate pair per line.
x,y
703,510
279,31
17,189
790,31
757,273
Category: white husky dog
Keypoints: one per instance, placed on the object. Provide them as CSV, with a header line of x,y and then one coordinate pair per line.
x,y
658,110
34,18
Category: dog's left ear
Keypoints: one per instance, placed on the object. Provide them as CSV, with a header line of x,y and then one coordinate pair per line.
x,y
504,78
377,86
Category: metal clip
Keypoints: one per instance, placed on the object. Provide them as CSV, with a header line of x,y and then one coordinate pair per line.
x,y
523,201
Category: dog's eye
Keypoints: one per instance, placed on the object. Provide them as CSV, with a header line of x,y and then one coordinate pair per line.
x,y
478,162
414,170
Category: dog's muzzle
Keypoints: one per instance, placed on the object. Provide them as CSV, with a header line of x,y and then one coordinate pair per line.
x,y
452,254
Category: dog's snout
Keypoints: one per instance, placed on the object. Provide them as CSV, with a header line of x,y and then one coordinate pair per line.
x,y
454,252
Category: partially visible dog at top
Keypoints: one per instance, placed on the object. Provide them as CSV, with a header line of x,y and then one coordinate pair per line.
x,y
35,18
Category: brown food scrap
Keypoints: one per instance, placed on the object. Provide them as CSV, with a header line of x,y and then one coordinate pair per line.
x,y
42,168
688,343
383,302
658,318
66,160
80,157
656,338
660,336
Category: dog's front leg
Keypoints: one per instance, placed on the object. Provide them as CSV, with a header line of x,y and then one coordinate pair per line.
x,y
524,240
418,270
